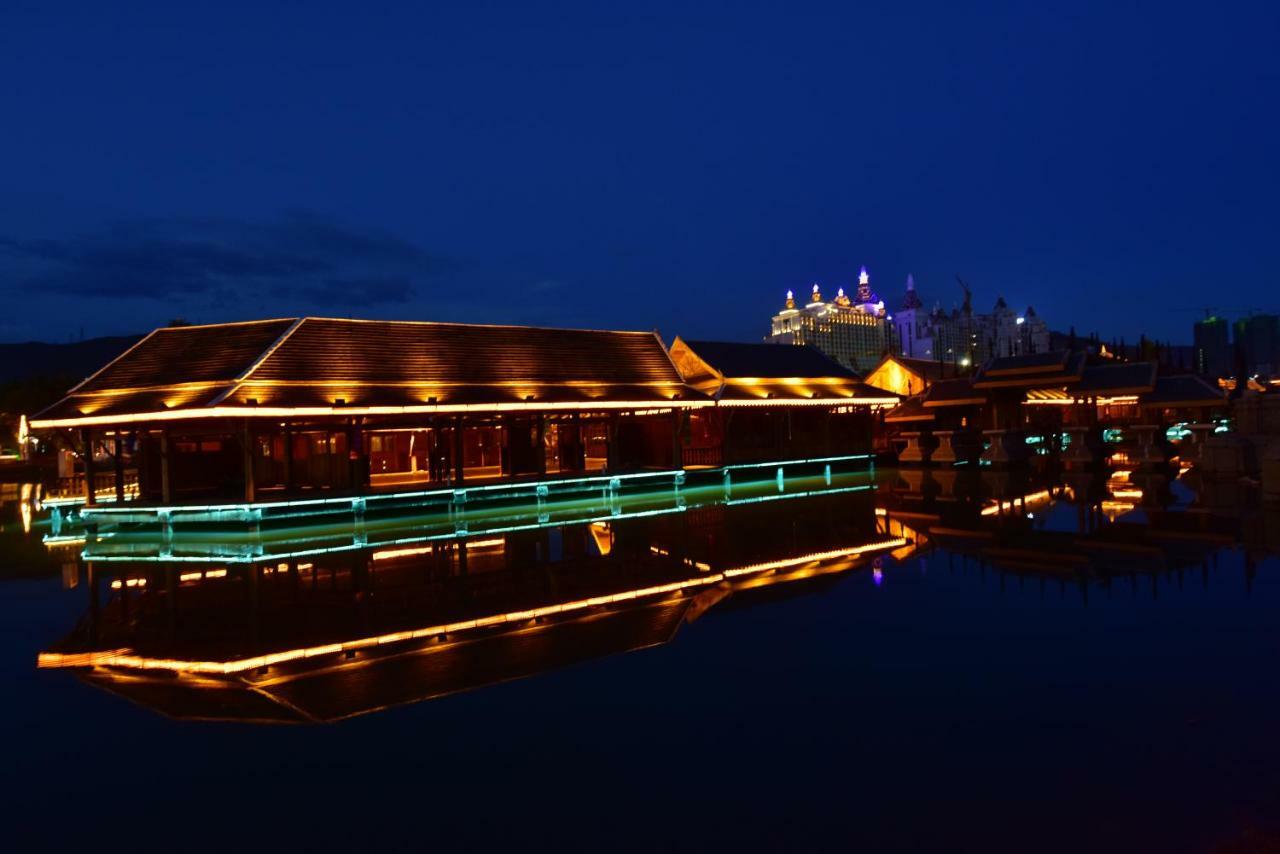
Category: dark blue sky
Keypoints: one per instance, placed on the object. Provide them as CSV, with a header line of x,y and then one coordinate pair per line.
x,y
643,165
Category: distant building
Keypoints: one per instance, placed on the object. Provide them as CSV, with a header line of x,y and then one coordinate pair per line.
x,y
962,337
1257,339
854,332
1213,348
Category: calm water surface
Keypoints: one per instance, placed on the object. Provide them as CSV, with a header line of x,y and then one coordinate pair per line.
x,y
1093,668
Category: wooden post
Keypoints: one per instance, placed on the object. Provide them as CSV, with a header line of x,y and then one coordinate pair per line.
x,y
90,470
246,442
288,457
166,488
611,444
119,466
677,448
459,468
541,434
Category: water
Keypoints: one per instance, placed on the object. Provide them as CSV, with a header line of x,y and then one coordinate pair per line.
x,y
1093,668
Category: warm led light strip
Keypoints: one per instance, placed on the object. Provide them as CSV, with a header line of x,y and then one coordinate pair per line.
x,y
122,658
816,557
808,401
1042,495
311,411
387,554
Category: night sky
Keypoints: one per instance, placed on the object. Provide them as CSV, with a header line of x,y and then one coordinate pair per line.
x,y
650,165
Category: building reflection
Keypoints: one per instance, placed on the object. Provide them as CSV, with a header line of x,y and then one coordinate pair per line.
x,y
306,634
348,632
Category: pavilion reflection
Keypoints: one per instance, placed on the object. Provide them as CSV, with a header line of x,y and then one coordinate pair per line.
x,y
341,634
1077,526
323,636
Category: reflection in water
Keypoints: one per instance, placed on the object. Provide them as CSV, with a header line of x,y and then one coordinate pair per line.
x,y
322,625
342,632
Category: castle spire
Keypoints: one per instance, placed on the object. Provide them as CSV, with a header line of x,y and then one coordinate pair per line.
x,y
791,298
817,295
912,300
865,296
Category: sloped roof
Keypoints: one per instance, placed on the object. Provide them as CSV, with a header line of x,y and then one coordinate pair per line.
x,y
957,392
762,373
733,359
1031,371
275,366
1182,390
1116,378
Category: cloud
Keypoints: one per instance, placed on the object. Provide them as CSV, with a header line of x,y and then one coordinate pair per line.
x,y
300,256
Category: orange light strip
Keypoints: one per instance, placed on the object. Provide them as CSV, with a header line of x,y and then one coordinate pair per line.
x,y
830,401
124,658
313,411
1042,495
815,557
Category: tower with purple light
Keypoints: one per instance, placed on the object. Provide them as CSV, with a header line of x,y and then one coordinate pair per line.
x,y
856,331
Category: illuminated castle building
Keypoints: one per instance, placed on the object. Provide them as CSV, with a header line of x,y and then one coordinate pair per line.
x,y
854,332
962,337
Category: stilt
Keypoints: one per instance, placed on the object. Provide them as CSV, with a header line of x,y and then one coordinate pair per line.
x,y
90,469
246,441
459,466
288,457
166,489
118,446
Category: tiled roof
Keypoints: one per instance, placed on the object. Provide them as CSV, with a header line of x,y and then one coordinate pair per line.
x,y
1182,390
188,354
1032,371
958,392
733,359
750,373
322,363
1116,378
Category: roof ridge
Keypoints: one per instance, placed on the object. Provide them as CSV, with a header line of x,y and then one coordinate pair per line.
x,y
266,354
86,380
480,325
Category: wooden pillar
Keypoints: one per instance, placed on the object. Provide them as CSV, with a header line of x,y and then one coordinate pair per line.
x,y
611,443
288,457
541,433
90,470
118,459
677,447
246,442
459,467
166,487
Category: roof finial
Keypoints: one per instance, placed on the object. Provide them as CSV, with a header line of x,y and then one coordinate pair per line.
x,y
791,298
817,295
863,278
912,300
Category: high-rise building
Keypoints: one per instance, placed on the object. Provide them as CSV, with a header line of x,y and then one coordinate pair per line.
x,y
854,332
1213,349
1257,338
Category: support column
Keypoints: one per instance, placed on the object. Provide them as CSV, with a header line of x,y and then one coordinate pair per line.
x,y
118,459
611,444
677,446
246,442
166,488
288,457
541,433
459,466
90,470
